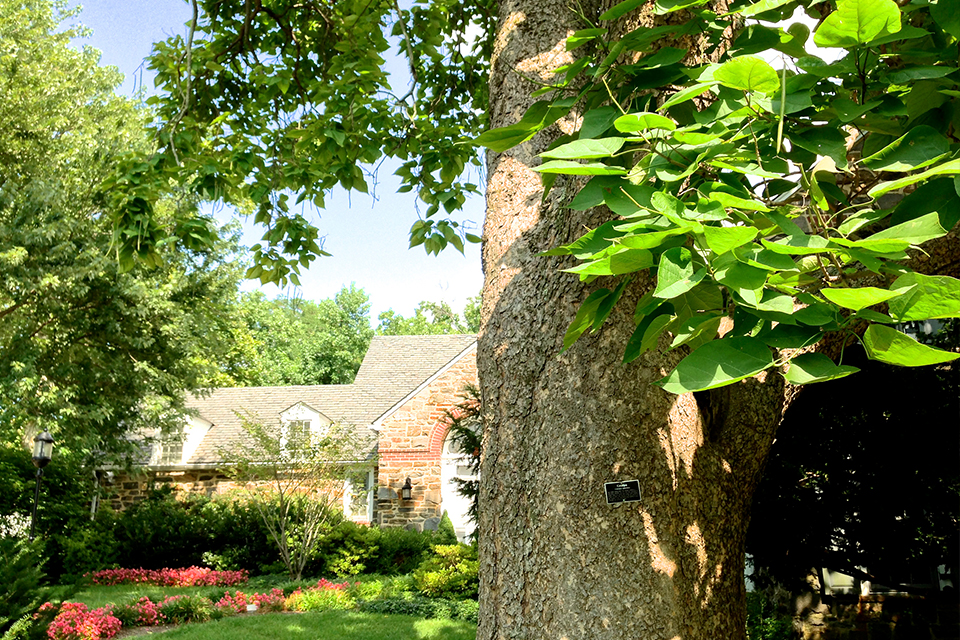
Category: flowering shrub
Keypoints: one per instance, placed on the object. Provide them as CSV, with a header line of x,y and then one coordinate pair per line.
x,y
323,597
269,602
142,613
76,622
237,603
189,577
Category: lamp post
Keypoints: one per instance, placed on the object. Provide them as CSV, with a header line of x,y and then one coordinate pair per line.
x,y
42,454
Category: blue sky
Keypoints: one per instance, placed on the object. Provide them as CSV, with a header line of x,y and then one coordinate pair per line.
x,y
367,237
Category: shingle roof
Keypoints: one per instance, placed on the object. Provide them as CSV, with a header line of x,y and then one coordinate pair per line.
x,y
393,367
396,365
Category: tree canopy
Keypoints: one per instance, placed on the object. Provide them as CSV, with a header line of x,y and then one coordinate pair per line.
x,y
305,342
431,318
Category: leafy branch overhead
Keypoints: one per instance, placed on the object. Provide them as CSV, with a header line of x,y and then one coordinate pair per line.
x,y
774,195
267,105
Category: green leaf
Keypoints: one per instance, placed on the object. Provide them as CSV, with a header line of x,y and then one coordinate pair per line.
x,y
650,240
597,121
947,168
762,6
718,363
748,73
815,367
687,94
696,330
737,275
643,121
675,273
585,317
916,231
586,149
582,37
621,9
723,239
914,73
857,299
892,347
790,336
857,22
730,201
798,245
572,168
919,147
646,335
626,261
925,297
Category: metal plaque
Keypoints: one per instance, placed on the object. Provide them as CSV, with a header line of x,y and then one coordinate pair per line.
x,y
626,491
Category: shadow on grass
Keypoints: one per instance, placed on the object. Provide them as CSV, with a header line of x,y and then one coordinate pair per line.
x,y
342,625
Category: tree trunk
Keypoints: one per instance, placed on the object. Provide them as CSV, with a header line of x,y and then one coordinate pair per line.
x,y
556,560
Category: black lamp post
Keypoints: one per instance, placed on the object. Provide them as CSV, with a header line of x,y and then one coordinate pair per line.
x,y
42,454
406,490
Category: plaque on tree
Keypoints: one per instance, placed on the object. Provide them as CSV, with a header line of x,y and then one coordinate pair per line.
x,y
625,491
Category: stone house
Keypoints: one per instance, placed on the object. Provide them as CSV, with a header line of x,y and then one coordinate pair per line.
x,y
396,406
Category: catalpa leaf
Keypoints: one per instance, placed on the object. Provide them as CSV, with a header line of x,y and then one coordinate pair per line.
x,y
925,297
572,168
947,168
748,73
860,298
723,239
857,22
643,121
717,364
919,147
892,347
815,367
586,149
675,273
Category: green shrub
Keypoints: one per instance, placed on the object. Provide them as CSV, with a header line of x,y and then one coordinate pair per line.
x,y
399,551
765,622
375,587
432,608
452,572
347,549
320,600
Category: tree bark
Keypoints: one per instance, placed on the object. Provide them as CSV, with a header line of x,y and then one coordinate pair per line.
x,y
556,560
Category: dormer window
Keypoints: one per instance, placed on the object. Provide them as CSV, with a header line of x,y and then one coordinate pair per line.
x,y
298,442
171,449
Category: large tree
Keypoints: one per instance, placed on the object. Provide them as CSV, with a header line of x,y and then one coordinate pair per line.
x,y
743,213
86,351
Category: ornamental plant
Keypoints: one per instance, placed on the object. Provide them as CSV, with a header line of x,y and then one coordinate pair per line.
x,y
76,622
774,193
324,596
188,577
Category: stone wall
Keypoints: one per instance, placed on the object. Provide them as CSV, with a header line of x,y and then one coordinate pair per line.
x,y
411,442
126,489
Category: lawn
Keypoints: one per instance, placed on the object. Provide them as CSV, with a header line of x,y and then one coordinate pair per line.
x,y
339,625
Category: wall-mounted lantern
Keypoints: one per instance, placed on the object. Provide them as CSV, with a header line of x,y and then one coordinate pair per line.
x,y
406,490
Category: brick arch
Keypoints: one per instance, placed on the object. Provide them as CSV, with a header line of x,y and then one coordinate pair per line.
x,y
438,433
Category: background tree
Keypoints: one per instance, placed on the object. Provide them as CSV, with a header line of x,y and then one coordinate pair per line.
x,y
429,318
305,342
86,351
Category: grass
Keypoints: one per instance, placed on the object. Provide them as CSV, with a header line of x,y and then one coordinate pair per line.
x,y
342,625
